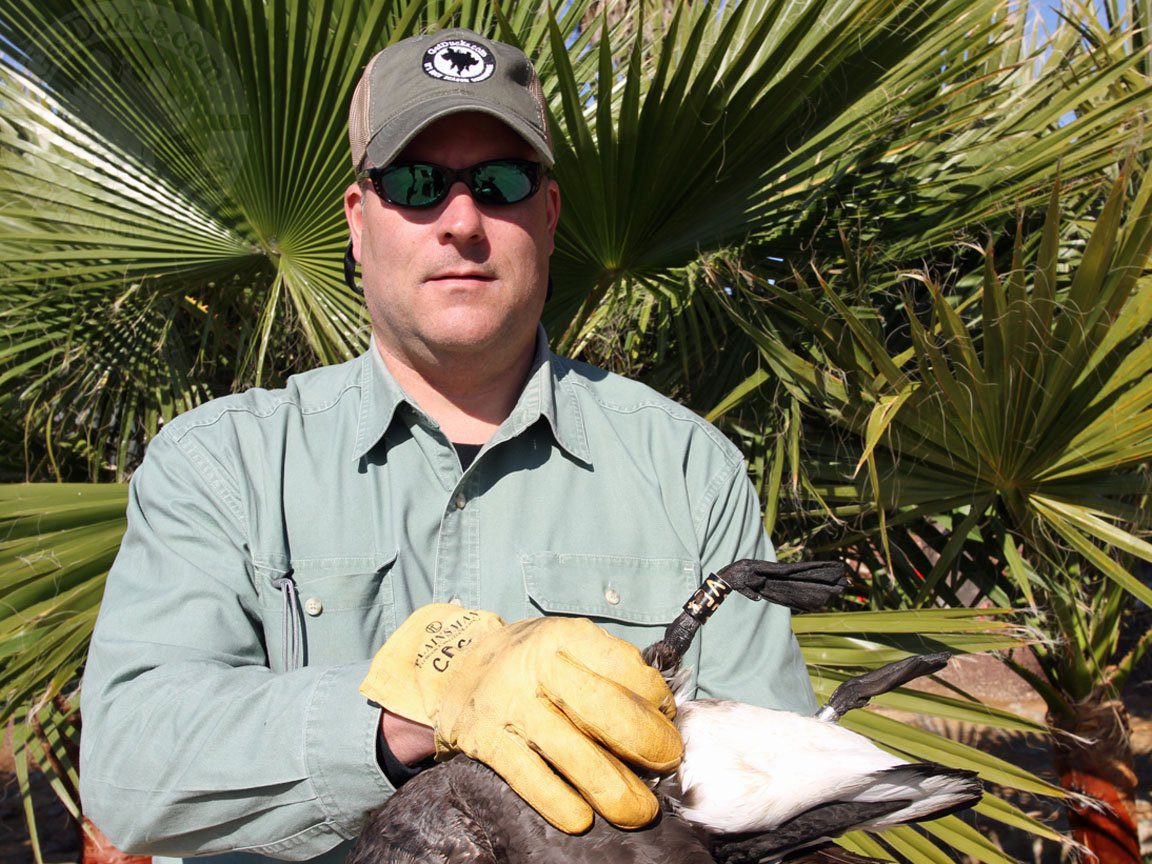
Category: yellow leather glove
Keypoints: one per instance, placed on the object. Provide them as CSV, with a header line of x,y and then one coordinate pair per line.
x,y
532,700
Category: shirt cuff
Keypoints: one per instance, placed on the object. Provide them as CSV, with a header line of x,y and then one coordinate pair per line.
x,y
340,749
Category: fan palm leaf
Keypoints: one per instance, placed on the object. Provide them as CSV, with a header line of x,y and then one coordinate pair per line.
x,y
1019,418
970,119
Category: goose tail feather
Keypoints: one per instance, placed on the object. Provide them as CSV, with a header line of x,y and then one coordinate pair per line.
x,y
932,791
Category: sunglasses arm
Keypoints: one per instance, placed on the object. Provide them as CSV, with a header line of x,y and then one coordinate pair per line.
x,y
350,271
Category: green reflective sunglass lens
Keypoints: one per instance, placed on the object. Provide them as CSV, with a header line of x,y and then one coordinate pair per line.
x,y
498,183
413,185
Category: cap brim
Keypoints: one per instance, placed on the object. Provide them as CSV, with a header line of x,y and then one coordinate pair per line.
x,y
386,144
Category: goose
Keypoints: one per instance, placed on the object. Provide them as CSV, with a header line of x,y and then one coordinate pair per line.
x,y
755,784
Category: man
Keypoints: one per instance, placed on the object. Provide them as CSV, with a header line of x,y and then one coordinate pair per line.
x,y
277,539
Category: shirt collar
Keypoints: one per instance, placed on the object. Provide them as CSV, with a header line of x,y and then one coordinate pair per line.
x,y
545,394
380,396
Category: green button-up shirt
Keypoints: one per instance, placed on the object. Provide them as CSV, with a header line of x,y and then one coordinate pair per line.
x,y
276,538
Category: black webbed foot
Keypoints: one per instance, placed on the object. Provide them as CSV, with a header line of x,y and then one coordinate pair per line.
x,y
804,586
857,692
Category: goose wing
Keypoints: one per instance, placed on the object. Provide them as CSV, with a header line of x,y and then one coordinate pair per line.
x,y
804,838
428,821
461,812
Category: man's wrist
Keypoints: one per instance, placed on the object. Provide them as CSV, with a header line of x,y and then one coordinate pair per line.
x,y
408,741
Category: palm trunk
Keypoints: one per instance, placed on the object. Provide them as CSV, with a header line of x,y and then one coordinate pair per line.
x,y
1095,759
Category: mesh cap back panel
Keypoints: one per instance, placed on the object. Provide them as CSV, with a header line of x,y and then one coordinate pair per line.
x,y
358,131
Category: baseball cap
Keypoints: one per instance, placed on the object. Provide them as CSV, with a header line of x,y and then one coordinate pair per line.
x,y
416,81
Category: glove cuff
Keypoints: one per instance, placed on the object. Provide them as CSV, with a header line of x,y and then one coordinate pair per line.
x,y
408,674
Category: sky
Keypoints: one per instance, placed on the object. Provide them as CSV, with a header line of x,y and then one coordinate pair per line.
x,y
1046,9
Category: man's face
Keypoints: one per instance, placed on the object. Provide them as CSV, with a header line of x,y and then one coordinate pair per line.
x,y
460,279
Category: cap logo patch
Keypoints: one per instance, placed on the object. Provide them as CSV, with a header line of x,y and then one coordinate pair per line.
x,y
460,61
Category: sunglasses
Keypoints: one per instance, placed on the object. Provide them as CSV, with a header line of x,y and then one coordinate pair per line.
x,y
425,184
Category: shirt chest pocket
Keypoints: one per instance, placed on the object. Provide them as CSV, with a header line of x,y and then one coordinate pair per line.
x,y
632,598
325,611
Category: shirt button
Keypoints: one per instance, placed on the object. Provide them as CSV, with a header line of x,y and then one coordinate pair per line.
x,y
313,606
612,596
455,601
460,501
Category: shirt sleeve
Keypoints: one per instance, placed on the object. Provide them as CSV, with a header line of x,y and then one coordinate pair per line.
x,y
191,744
748,651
